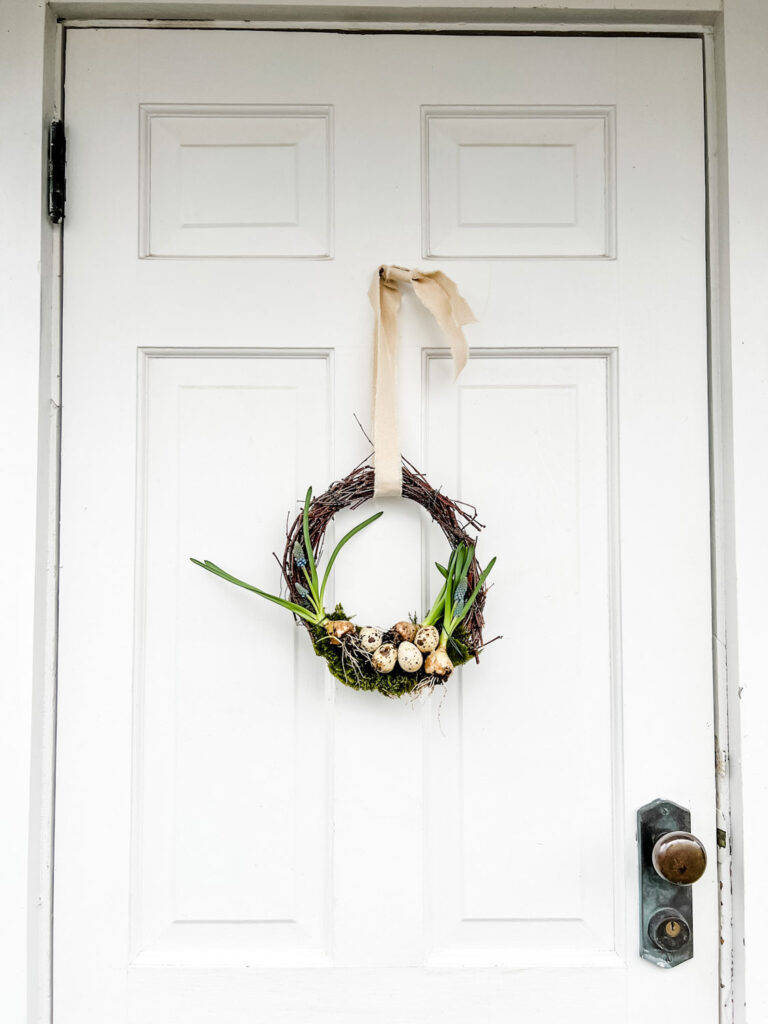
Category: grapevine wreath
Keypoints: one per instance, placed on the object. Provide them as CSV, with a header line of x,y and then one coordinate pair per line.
x,y
414,655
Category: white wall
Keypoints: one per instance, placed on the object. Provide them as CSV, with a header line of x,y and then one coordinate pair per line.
x,y
25,418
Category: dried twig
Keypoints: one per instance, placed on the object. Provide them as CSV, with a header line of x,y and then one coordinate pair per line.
x,y
453,517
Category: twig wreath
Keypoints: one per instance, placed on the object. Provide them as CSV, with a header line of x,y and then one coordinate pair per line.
x,y
414,655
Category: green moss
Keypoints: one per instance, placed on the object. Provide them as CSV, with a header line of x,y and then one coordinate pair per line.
x,y
457,648
394,684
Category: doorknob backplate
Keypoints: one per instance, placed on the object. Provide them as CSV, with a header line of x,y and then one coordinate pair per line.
x,y
666,908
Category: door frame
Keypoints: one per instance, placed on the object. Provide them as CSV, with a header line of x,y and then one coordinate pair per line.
x,y
736,412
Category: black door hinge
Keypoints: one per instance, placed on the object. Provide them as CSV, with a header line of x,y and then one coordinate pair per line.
x,y
57,162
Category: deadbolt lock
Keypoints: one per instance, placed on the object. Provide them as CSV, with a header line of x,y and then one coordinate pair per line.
x,y
668,930
671,859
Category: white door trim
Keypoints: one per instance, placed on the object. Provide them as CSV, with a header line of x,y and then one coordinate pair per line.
x,y
32,409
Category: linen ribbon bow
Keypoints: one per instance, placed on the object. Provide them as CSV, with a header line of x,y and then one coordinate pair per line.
x,y
439,294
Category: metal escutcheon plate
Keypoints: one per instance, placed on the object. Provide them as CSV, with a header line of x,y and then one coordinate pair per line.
x,y
666,907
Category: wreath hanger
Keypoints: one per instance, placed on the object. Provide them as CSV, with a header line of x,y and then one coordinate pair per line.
x,y
438,294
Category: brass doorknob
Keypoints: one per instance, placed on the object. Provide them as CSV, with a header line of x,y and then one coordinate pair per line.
x,y
679,857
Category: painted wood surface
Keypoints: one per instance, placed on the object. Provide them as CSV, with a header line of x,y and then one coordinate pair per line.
x,y
228,8
258,841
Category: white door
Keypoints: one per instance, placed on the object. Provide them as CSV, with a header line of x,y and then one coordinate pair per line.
x,y
239,838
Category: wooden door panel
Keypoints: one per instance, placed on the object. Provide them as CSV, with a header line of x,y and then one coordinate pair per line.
x,y
235,180
505,182
517,760
231,827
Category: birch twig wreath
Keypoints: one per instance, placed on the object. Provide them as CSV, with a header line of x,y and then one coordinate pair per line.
x,y
413,655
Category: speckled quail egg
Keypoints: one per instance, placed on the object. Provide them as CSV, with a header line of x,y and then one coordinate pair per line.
x,y
384,658
409,657
370,638
427,639
405,630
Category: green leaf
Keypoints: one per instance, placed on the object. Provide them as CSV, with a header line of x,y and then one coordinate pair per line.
x,y
345,539
449,578
436,610
313,596
471,600
308,544
295,608
463,567
441,569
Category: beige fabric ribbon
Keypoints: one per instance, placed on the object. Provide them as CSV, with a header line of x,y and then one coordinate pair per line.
x,y
439,294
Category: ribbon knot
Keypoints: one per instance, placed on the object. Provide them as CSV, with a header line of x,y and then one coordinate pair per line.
x,y
440,296
392,274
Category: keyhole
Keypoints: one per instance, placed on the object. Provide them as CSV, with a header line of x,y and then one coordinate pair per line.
x,y
672,928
